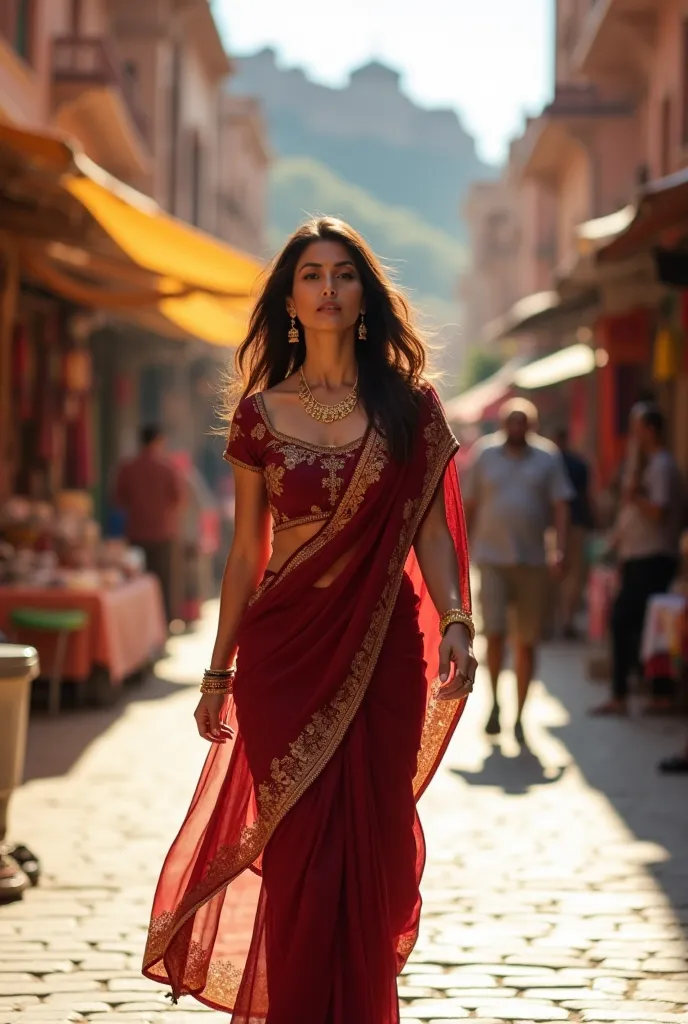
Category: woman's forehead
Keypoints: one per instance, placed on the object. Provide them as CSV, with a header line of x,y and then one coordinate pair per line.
x,y
325,253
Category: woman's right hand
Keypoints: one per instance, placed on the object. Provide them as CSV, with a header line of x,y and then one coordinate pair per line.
x,y
207,715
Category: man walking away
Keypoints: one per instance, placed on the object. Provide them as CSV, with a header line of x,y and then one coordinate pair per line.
x,y
580,524
646,539
515,482
150,491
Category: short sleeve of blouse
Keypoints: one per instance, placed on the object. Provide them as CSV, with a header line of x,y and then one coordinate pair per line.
x,y
433,411
244,447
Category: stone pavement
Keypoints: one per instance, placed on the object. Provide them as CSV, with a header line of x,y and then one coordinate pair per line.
x,y
556,887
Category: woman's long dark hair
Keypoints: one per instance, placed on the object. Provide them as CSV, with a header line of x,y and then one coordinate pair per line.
x,y
391,360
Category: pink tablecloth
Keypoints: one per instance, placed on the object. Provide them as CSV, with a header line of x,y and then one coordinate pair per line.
x,y
126,626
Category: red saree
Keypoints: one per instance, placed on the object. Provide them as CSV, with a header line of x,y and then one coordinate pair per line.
x,y
310,812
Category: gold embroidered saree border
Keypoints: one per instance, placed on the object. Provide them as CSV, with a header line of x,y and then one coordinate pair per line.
x,y
310,753
231,861
440,715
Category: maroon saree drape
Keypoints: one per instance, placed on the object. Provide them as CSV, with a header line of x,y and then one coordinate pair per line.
x,y
310,812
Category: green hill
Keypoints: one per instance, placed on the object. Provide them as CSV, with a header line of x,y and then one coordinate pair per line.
x,y
425,259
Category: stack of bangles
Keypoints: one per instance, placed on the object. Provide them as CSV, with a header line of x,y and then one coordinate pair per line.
x,y
460,616
218,680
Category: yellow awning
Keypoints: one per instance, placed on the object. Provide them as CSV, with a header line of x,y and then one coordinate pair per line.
x,y
199,284
157,241
574,361
222,322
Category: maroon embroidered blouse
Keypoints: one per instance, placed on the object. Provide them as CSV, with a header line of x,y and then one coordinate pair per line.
x,y
303,481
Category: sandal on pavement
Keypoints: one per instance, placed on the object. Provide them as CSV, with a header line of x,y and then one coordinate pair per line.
x,y
27,861
610,708
13,881
677,765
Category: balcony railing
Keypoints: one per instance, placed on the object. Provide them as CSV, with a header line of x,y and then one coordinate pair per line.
x,y
90,61
574,100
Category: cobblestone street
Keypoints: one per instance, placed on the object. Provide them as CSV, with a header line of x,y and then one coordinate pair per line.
x,y
556,887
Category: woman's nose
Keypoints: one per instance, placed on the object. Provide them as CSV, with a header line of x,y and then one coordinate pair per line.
x,y
329,289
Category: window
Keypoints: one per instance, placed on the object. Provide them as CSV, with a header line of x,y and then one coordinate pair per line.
x,y
76,17
175,112
196,178
16,25
665,152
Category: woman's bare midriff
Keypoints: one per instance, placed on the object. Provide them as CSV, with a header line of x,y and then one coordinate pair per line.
x,y
286,542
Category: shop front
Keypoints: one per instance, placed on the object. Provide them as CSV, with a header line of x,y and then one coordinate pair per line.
x,y
85,261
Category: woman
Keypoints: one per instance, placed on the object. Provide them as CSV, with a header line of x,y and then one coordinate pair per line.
x,y
331,727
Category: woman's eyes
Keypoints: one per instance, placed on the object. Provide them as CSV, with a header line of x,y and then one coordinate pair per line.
x,y
312,275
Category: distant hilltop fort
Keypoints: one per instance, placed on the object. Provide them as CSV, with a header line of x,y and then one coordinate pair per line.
x,y
370,133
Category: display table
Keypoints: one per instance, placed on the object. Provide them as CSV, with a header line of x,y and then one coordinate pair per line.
x,y
664,651
126,626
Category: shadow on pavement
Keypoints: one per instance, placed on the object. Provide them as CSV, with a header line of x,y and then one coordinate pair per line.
x,y
616,757
619,758
513,775
54,745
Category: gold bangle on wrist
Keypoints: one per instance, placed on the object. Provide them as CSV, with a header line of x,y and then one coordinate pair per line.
x,y
216,680
222,688
457,615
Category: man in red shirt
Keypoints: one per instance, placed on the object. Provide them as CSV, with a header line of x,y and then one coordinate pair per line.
x,y
150,490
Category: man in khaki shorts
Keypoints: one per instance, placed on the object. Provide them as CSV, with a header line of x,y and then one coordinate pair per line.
x,y
515,486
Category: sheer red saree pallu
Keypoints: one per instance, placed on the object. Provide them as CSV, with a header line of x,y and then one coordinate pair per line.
x,y
310,812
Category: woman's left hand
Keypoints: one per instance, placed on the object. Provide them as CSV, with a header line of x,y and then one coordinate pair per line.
x,y
456,648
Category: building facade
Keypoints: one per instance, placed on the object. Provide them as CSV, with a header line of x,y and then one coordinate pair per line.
x,y
143,90
616,128
244,161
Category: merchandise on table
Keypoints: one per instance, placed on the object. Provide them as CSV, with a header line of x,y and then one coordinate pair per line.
x,y
60,545
664,651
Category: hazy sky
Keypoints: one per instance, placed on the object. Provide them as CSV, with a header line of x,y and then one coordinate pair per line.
x,y
490,59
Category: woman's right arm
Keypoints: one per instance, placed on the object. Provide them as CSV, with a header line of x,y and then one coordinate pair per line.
x,y
246,562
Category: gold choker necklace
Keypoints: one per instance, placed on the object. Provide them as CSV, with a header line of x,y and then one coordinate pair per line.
x,y
326,413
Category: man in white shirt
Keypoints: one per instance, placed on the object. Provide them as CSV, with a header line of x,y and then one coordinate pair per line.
x,y
513,489
647,543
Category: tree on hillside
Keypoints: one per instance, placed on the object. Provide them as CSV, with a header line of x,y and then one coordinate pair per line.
x,y
481,363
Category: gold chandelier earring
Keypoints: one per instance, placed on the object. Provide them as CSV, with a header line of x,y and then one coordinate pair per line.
x,y
293,334
362,329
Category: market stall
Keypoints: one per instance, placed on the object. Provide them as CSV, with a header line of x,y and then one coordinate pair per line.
x,y
86,604
124,628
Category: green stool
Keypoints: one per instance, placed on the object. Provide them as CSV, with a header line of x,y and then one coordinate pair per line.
x,y
52,620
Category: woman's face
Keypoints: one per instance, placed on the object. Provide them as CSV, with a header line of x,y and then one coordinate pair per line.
x,y
327,293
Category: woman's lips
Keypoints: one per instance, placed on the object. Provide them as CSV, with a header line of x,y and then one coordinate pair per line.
x,y
329,307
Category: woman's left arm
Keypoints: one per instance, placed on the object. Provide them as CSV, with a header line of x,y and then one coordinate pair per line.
x,y
438,563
